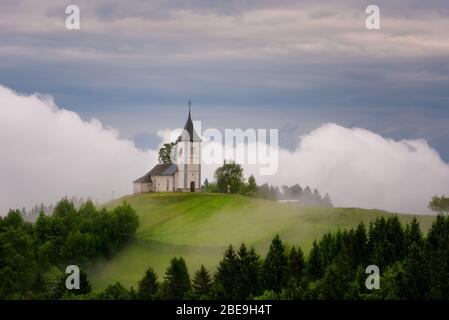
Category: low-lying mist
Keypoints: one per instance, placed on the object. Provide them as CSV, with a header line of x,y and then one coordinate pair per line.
x,y
48,152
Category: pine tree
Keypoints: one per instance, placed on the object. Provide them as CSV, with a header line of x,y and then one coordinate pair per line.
x,y
177,280
252,186
296,264
276,266
315,263
115,291
206,185
413,234
327,202
225,278
437,254
202,284
249,273
148,286
336,281
358,249
396,237
415,283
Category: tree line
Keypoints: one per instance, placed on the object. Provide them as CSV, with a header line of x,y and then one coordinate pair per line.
x,y
33,213
412,266
229,178
33,257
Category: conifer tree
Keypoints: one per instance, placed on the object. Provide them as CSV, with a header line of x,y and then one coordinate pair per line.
x,y
276,266
358,249
296,264
225,277
177,280
249,273
415,282
202,284
148,285
315,263
413,234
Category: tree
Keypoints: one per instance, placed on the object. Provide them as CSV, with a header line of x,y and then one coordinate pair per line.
x,y
148,286
327,202
166,153
252,185
439,204
85,286
296,264
225,277
229,175
249,273
316,197
386,241
115,291
415,283
276,266
359,246
177,280
336,282
413,234
206,185
202,284
17,266
437,255
315,263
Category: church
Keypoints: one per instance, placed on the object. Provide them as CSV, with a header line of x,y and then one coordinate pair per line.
x,y
184,174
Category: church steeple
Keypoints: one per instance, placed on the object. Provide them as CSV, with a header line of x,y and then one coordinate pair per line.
x,y
189,134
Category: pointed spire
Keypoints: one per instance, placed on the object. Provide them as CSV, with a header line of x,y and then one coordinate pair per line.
x,y
189,133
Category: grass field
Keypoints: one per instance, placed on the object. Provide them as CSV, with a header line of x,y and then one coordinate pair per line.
x,y
198,226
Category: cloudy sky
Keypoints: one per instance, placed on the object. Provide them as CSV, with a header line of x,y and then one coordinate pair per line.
x,y
291,65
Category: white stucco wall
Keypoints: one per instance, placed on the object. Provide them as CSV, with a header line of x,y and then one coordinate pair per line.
x,y
141,187
163,183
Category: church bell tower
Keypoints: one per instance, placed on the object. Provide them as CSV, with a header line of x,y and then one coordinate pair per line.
x,y
188,158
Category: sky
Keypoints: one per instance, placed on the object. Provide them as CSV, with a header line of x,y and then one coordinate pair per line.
x,y
296,66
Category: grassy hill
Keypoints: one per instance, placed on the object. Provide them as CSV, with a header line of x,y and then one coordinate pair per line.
x,y
198,226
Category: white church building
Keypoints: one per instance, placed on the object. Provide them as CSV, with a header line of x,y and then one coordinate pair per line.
x,y
184,174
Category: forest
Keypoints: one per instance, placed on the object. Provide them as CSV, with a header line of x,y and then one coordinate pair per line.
x,y
33,257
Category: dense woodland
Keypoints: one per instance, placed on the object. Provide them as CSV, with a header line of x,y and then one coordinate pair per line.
x,y
33,256
412,267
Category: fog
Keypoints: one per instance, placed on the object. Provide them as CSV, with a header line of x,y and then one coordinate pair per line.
x,y
48,152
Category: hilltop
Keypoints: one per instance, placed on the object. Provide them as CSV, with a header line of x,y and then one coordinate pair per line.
x,y
198,226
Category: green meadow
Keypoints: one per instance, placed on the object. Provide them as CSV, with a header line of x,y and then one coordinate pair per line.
x,y
198,227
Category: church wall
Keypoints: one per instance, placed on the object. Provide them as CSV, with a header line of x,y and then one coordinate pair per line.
x,y
163,183
142,188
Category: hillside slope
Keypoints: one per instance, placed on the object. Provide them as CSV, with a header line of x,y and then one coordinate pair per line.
x,y
199,226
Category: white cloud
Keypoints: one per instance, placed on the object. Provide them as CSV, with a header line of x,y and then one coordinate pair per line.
x,y
362,169
48,152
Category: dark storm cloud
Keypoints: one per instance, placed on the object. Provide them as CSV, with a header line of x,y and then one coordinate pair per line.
x,y
316,61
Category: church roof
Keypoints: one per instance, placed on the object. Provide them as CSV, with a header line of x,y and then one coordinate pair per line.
x,y
163,169
189,133
144,179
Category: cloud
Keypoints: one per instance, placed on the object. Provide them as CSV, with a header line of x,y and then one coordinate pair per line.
x,y
360,168
48,152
